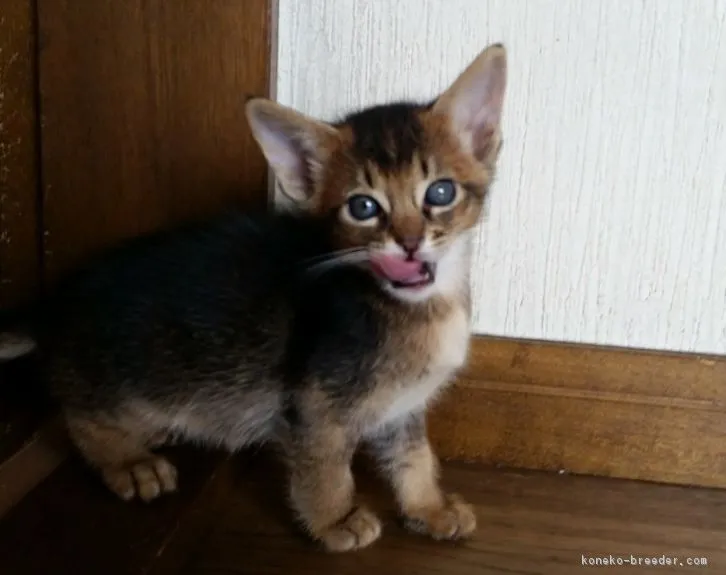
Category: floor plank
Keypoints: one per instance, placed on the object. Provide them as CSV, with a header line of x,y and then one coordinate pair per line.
x,y
23,406
531,523
71,524
31,446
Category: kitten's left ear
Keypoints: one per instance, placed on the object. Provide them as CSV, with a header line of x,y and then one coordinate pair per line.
x,y
295,146
473,103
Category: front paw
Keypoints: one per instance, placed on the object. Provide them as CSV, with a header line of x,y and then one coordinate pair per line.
x,y
146,479
359,529
453,520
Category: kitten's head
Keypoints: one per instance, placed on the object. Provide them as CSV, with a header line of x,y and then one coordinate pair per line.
x,y
400,185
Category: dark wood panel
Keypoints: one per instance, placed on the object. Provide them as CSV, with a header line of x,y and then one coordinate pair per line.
x,y
19,268
530,523
31,442
594,410
143,118
71,524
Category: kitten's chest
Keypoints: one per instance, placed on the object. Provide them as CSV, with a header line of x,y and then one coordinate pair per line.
x,y
420,366
450,341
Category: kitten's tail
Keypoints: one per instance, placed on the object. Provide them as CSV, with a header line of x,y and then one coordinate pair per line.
x,y
16,339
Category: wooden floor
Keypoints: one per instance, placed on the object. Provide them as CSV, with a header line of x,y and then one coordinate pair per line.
x,y
530,523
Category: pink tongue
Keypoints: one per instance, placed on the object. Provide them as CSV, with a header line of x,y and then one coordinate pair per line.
x,y
397,269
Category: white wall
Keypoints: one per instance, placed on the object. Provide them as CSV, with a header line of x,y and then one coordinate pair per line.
x,y
608,220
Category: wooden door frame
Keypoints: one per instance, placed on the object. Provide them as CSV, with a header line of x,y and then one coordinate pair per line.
x,y
20,237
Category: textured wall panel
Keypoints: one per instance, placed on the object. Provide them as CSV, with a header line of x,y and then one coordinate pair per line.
x,y
608,221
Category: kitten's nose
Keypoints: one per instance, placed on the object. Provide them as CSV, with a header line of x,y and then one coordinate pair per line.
x,y
410,243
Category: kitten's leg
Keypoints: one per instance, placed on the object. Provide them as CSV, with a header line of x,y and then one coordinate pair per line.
x,y
410,464
322,490
118,448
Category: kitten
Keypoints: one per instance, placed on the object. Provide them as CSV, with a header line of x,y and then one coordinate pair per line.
x,y
315,331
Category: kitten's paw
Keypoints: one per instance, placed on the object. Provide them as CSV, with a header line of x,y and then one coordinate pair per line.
x,y
455,520
147,479
359,529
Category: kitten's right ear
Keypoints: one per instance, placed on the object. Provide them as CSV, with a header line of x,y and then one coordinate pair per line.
x,y
295,146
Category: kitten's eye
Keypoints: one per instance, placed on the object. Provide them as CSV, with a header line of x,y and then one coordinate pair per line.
x,y
363,207
440,193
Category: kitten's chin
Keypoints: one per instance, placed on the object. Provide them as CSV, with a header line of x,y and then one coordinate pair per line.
x,y
411,294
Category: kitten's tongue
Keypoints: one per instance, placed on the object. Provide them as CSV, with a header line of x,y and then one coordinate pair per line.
x,y
399,270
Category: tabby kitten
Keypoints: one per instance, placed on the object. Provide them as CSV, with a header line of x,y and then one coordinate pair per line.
x,y
316,331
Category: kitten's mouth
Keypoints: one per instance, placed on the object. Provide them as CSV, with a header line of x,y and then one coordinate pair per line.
x,y
402,273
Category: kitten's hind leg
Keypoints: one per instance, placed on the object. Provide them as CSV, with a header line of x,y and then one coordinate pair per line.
x,y
118,447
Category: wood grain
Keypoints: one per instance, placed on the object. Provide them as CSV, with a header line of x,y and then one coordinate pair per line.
x,y
19,250
594,410
33,461
531,523
143,116
32,440
71,523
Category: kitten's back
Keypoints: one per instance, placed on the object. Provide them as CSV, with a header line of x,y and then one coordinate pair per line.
x,y
207,298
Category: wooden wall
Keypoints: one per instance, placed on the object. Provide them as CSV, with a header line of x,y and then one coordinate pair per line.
x,y
19,247
142,123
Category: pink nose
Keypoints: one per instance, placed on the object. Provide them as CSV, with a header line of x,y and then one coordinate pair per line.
x,y
410,243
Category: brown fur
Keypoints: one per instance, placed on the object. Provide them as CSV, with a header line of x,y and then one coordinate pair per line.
x,y
207,341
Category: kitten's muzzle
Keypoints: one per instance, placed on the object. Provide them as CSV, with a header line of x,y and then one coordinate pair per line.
x,y
404,273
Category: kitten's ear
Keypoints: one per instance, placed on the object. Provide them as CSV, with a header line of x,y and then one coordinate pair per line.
x,y
296,147
473,103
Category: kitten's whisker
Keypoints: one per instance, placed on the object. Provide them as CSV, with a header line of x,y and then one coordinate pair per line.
x,y
352,257
449,239
443,242
332,255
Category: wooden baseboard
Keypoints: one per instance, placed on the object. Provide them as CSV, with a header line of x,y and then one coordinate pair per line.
x,y
590,410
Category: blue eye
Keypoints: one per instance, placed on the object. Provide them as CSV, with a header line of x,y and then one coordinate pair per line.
x,y
440,193
363,207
